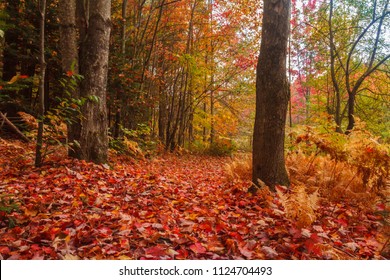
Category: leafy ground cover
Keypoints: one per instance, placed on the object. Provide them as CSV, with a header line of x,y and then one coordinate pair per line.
x,y
167,207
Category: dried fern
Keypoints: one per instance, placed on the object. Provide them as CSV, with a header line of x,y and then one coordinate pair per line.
x,y
299,205
239,169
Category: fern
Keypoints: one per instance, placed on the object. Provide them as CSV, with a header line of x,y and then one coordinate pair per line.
x,y
299,205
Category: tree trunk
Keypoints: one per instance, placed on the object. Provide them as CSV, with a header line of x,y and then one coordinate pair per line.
x,y
372,64
11,41
336,87
271,97
69,55
351,113
41,90
123,30
94,62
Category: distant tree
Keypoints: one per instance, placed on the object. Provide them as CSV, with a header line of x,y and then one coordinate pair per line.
x,y
365,54
41,89
272,97
11,38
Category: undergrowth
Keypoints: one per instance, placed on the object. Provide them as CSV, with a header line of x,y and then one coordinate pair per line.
x,y
7,206
330,167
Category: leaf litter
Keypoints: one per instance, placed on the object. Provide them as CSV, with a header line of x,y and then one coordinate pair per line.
x,y
168,207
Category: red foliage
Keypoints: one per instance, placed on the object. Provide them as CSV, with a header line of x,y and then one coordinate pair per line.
x,y
165,208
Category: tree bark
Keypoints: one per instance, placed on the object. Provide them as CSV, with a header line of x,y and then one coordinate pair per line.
x,y
41,89
372,64
94,62
69,61
11,41
271,97
336,87
123,30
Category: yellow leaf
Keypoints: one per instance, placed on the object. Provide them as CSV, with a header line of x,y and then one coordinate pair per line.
x,y
124,257
30,212
13,80
70,257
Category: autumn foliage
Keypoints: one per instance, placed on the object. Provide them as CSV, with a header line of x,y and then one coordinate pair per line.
x,y
180,110
184,207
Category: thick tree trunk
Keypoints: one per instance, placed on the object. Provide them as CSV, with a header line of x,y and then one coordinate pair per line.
x,y
94,62
271,97
69,56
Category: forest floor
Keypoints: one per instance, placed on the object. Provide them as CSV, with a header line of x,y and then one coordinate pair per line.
x,y
166,207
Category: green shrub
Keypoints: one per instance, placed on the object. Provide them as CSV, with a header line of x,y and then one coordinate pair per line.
x,y
7,206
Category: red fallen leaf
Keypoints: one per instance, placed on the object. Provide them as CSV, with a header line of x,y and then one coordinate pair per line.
x,y
236,235
361,228
342,222
312,243
182,254
47,250
245,252
269,252
17,230
338,243
220,227
124,243
35,247
198,248
366,252
315,238
77,222
374,218
251,244
372,242
105,231
15,256
4,250
112,181
33,176
38,256
381,207
54,231
242,203
296,233
155,251
206,226
243,230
